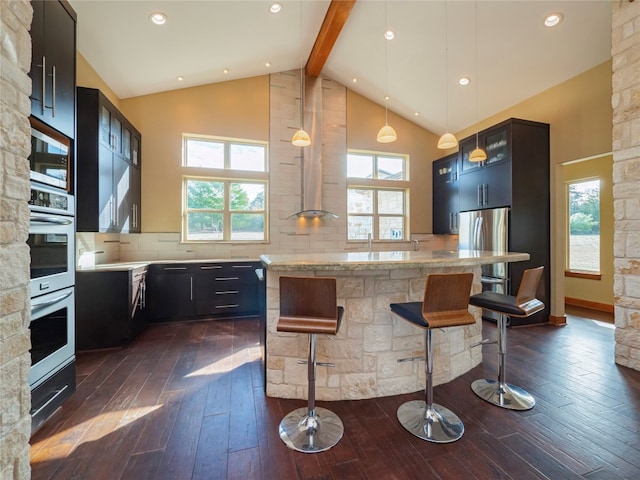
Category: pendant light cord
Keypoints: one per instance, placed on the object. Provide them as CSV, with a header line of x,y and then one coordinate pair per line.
x,y
475,4
386,68
446,59
301,69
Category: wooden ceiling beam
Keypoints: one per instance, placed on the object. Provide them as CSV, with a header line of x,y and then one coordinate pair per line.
x,y
334,20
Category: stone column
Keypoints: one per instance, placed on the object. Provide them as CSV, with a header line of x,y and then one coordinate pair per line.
x,y
625,51
15,361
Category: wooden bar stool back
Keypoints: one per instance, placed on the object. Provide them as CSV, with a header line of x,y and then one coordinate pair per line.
x,y
309,305
445,304
525,303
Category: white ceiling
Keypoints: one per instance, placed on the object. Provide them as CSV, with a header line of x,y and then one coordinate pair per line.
x,y
517,56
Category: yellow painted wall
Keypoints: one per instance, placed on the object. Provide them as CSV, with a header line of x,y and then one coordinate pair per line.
x,y
87,77
364,119
598,291
238,109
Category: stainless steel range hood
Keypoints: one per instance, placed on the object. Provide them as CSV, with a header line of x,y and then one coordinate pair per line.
x,y
311,156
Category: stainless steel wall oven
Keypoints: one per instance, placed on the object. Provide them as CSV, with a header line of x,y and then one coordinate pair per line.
x,y
52,271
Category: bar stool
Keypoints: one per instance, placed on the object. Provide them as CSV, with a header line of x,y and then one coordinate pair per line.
x,y
445,304
309,305
525,303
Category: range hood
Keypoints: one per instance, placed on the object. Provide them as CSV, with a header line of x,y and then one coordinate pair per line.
x,y
311,156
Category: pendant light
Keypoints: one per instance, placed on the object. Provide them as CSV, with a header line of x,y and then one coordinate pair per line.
x,y
301,137
448,140
478,154
386,134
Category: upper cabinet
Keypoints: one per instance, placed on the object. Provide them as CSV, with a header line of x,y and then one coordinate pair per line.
x,y
516,149
108,166
53,65
445,194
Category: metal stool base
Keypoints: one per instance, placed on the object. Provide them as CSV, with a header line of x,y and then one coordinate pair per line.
x,y
307,434
509,396
441,425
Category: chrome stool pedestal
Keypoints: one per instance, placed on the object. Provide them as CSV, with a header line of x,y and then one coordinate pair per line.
x,y
428,420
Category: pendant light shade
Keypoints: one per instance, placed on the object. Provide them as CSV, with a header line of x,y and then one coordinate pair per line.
x,y
477,155
448,140
387,134
301,138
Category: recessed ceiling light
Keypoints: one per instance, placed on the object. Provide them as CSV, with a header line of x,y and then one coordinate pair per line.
x,y
354,80
267,64
158,18
416,114
553,19
180,78
389,34
275,7
464,81
386,97
226,70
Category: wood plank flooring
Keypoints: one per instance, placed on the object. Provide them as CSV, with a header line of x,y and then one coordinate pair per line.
x,y
186,401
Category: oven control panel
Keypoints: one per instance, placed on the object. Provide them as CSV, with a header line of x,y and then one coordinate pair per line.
x,y
45,199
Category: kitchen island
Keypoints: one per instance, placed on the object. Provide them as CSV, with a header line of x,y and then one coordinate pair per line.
x,y
371,339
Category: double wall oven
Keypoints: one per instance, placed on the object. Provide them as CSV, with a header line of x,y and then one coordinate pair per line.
x,y
52,273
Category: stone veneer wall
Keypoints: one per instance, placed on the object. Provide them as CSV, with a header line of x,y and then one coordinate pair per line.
x,y
625,50
15,88
370,341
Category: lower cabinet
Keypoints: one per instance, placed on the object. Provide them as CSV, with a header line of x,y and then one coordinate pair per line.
x,y
216,289
110,307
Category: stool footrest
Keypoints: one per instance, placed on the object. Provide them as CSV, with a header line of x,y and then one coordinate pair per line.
x,y
486,341
410,359
503,395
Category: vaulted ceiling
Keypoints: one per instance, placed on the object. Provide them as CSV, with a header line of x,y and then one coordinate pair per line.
x,y
502,46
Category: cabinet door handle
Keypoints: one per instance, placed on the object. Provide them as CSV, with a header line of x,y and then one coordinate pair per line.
x,y
191,283
231,305
53,98
213,267
174,268
241,266
480,195
485,194
225,279
44,82
226,292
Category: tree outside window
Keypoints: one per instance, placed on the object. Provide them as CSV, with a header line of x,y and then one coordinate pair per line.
x,y
584,226
226,207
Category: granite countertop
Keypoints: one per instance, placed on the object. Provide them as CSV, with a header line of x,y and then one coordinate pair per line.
x,y
387,260
125,266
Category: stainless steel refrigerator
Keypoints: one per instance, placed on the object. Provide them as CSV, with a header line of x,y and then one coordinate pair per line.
x,y
488,230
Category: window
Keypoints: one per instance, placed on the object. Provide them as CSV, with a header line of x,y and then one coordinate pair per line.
x,y
224,190
584,226
377,187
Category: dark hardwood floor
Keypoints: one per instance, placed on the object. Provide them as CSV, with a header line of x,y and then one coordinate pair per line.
x,y
186,401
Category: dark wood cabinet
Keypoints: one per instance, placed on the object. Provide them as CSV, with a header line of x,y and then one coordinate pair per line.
x,y
108,169
110,307
227,289
445,195
487,184
171,291
215,289
53,65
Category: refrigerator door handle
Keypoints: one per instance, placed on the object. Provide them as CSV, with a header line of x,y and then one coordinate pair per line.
x,y
477,240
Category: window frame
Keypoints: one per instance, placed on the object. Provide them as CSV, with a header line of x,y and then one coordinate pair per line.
x,y
227,176
376,185
575,273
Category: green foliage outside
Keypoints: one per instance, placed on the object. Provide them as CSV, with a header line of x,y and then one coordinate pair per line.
x,y
210,195
584,208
